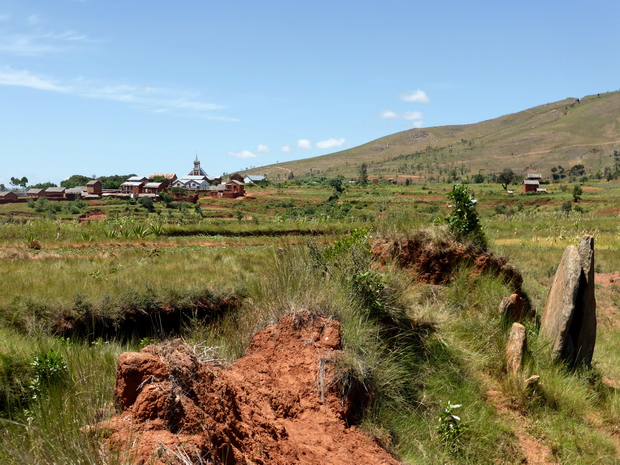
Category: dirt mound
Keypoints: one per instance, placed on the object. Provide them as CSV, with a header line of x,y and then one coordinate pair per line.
x,y
281,403
435,261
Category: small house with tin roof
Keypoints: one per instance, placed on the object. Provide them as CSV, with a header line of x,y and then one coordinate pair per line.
x,y
8,196
35,193
132,187
153,188
94,187
253,179
531,183
55,193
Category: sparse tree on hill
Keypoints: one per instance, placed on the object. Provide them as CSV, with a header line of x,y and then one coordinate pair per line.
x,y
363,175
577,192
506,177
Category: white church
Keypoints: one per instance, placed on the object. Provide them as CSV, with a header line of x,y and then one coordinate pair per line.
x,y
197,179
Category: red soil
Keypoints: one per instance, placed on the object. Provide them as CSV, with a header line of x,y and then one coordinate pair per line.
x,y
282,403
435,263
605,212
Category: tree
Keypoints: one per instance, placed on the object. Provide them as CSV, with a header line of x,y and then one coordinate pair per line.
x,y
506,177
74,181
2,187
478,178
147,203
567,206
463,220
577,192
43,185
337,183
23,182
114,181
363,175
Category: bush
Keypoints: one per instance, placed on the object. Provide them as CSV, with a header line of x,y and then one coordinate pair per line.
x,y
463,220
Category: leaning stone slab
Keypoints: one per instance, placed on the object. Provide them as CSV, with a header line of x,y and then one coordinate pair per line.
x,y
569,318
516,348
511,308
586,303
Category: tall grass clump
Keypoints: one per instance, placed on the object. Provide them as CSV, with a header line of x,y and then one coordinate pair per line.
x,y
69,386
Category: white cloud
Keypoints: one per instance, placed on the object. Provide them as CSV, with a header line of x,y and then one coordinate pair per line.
x,y
304,144
156,99
243,154
40,43
286,148
388,114
418,96
263,149
408,115
418,124
10,77
412,115
330,143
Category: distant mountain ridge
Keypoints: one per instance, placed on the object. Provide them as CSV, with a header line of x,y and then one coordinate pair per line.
x,y
566,133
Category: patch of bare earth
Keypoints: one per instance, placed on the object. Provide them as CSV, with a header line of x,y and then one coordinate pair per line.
x,y
534,449
282,403
436,262
92,215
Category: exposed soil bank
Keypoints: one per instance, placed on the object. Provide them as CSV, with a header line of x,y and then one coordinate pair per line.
x,y
282,403
435,262
148,319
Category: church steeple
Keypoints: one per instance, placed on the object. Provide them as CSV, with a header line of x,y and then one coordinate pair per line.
x,y
197,171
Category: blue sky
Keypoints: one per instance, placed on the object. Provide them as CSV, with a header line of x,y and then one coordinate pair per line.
x,y
101,87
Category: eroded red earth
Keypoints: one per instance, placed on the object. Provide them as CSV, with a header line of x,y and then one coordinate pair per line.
x,y
282,403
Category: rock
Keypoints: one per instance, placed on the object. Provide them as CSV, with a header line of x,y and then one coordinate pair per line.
x,y
586,302
516,348
569,318
511,308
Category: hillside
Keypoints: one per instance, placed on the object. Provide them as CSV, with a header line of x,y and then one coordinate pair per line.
x,y
569,132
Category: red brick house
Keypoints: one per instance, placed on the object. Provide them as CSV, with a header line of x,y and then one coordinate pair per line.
x,y
8,196
94,187
55,193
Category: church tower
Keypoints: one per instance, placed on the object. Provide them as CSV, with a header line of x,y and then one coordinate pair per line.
x,y
197,171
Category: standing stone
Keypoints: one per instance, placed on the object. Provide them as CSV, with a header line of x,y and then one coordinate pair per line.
x,y
586,302
569,318
516,348
511,308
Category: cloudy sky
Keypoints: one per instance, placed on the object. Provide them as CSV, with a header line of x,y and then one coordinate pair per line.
x,y
101,87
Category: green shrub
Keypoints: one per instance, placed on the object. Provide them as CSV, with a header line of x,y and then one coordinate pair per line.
x,y
463,220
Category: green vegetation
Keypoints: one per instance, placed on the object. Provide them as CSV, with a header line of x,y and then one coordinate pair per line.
x,y
431,355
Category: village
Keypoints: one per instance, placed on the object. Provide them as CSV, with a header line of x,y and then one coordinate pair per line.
x,y
136,187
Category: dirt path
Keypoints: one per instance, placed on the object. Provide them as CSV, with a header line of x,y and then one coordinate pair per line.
x,y
535,451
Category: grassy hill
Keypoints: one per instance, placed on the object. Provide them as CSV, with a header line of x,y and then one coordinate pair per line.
x,y
569,132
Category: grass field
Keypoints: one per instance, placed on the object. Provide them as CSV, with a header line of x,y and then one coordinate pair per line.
x,y
111,257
